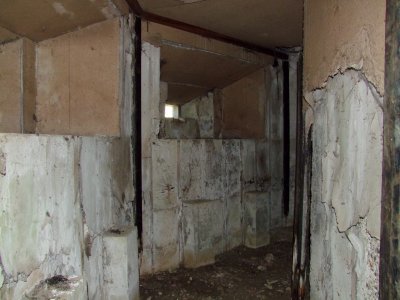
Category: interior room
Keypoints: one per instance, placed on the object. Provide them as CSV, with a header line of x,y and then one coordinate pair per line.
x,y
199,149
212,166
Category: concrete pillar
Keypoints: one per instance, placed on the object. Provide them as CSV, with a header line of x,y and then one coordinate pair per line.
x,y
121,276
256,219
203,232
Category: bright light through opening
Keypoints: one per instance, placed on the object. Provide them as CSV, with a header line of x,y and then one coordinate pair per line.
x,y
171,111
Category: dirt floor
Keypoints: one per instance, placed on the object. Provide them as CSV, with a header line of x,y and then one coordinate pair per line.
x,y
242,273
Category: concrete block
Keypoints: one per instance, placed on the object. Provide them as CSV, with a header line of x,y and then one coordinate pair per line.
x,y
181,129
276,208
263,177
203,232
189,110
145,261
206,116
163,97
96,191
40,216
232,193
150,96
213,166
121,277
190,169
248,149
275,165
165,174
257,219
166,239
93,264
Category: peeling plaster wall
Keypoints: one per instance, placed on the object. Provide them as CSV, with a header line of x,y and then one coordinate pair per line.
x,y
347,170
343,85
344,34
59,197
78,82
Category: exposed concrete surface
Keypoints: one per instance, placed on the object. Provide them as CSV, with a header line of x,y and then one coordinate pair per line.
x,y
256,219
344,43
200,174
56,204
59,287
343,34
40,223
66,200
73,98
202,232
346,189
202,110
121,271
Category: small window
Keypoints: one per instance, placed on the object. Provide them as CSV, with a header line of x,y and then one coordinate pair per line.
x,y
171,111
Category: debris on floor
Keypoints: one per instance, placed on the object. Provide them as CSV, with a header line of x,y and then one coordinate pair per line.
x,y
241,273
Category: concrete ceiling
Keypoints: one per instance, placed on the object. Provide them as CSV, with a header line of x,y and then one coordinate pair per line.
x,y
42,19
268,23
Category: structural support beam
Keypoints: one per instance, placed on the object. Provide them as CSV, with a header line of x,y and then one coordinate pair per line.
x,y
286,139
137,9
138,126
390,247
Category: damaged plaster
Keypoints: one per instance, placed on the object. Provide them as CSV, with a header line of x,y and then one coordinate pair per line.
x,y
356,31
346,188
344,46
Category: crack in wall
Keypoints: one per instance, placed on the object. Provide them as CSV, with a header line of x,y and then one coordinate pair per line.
x,y
347,117
341,71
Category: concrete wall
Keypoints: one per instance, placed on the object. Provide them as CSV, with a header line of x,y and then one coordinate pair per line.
x,y
183,179
60,197
343,85
67,203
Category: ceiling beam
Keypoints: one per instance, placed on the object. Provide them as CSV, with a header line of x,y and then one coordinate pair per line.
x,y
137,10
